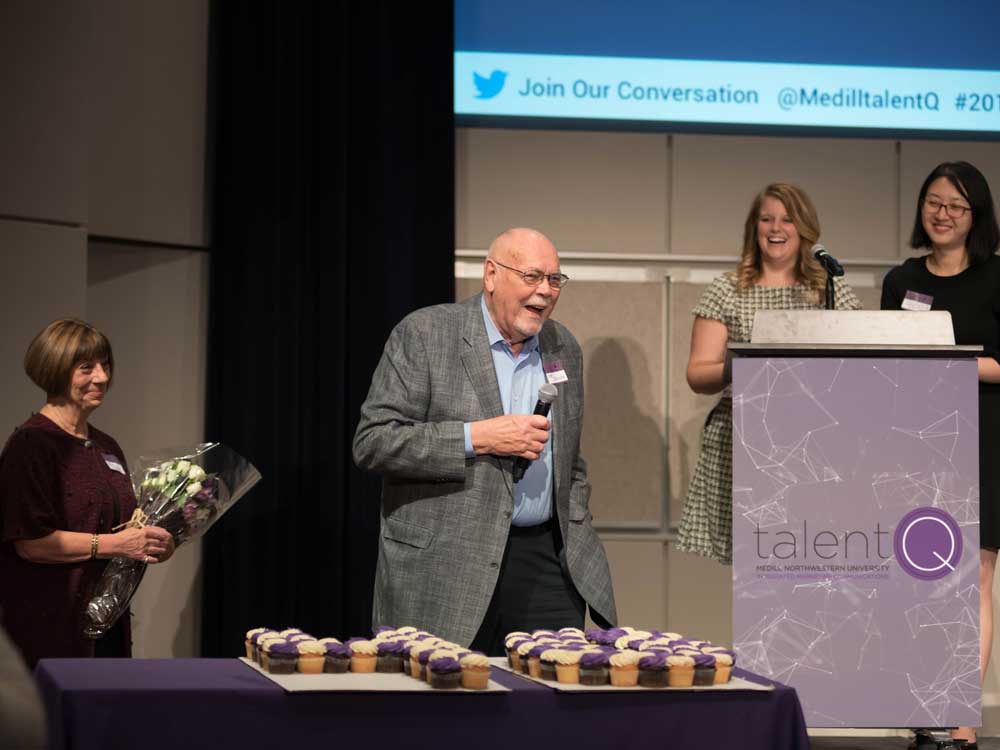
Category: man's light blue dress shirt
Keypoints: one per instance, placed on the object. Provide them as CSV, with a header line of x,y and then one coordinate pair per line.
x,y
519,379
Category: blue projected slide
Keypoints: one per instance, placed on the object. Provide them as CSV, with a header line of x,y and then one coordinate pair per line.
x,y
897,67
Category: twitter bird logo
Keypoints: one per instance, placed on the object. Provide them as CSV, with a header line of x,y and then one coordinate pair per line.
x,y
489,87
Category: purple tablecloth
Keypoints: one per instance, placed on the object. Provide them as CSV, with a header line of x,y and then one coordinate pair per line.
x,y
189,704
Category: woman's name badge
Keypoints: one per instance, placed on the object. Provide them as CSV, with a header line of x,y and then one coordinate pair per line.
x,y
917,301
554,372
113,463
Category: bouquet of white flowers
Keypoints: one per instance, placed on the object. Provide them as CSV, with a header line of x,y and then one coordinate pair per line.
x,y
184,495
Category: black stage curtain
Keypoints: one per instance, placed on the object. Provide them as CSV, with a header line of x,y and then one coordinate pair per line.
x,y
333,217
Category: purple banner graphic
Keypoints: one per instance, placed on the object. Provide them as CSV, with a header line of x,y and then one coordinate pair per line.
x,y
856,536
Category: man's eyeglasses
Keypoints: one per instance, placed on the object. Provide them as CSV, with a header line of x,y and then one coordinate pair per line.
x,y
534,276
954,210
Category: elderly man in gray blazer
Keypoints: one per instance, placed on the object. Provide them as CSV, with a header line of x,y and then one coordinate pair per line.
x,y
467,552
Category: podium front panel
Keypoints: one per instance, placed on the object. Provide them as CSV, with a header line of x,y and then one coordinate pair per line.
x,y
856,536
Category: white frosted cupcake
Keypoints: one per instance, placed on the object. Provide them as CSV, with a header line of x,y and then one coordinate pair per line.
x,y
568,666
624,668
312,656
364,656
475,671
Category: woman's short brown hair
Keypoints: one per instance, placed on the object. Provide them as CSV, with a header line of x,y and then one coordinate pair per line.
x,y
63,344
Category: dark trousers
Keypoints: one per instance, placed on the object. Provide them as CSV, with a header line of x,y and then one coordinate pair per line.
x,y
533,590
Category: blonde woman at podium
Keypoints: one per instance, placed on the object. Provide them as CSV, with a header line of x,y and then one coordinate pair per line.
x,y
776,272
955,221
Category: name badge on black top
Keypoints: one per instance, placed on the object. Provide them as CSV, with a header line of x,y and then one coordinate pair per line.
x,y
917,301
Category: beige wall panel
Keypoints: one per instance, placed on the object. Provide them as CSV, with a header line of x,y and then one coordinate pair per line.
x,y
587,191
152,303
918,158
148,108
44,278
869,296
639,576
851,181
621,327
43,136
700,604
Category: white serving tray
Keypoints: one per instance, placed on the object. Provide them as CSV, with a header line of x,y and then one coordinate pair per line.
x,y
349,682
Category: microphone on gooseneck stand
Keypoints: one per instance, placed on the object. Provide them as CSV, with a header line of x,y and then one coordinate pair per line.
x,y
833,268
828,262
547,393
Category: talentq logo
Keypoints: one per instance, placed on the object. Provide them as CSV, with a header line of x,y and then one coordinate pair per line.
x,y
928,543
489,87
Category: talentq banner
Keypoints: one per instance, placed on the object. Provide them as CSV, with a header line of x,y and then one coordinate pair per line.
x,y
856,536
726,92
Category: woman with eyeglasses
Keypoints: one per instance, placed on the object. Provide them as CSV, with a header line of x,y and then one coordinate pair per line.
x,y
776,271
956,222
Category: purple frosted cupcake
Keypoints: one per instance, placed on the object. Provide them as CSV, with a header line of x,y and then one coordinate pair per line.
x,y
594,635
379,629
594,668
535,659
282,657
390,657
337,659
255,640
653,669
704,669
445,671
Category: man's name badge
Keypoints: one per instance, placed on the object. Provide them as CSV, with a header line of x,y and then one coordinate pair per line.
x,y
917,301
113,463
554,372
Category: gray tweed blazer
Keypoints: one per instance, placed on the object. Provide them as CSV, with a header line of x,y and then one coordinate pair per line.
x,y
445,518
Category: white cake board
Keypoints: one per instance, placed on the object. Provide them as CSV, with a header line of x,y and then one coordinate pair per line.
x,y
736,683
350,682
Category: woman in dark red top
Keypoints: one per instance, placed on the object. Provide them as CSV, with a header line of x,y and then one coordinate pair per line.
x,y
64,486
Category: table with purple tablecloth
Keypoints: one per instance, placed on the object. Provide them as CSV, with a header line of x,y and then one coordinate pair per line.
x,y
189,704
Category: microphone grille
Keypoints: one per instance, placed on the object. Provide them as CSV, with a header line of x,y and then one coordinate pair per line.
x,y
547,393
818,249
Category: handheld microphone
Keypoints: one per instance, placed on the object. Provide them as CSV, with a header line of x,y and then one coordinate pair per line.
x,y
830,263
547,393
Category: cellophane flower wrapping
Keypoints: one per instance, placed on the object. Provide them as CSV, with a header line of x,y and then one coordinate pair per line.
x,y
185,495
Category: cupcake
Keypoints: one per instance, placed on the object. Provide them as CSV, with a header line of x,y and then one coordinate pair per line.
x,y
523,649
565,632
338,657
289,632
475,671
541,632
255,642
653,669
300,637
547,663
535,659
406,630
704,669
312,656
250,641
568,666
390,656
380,629
681,670
724,660
282,656
608,637
445,670
414,650
624,671
419,657
327,640
364,655
594,667
511,645
264,650
593,635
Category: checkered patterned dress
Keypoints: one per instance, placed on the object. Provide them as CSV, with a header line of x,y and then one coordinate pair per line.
x,y
707,521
